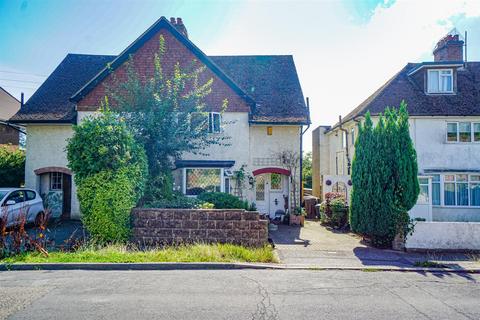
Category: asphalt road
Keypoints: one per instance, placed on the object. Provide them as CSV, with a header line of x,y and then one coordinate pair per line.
x,y
237,294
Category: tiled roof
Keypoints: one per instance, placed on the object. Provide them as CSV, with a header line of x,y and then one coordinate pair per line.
x,y
271,81
465,102
50,103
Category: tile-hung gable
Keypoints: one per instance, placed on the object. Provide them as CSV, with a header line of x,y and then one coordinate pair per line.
x,y
265,86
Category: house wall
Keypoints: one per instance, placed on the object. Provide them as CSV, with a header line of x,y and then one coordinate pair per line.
x,y
433,153
8,105
45,148
320,159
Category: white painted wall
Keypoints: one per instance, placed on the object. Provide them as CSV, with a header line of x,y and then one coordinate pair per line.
x,y
445,236
45,148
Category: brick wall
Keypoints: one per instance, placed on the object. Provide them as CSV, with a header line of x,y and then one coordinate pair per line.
x,y
8,135
166,226
175,52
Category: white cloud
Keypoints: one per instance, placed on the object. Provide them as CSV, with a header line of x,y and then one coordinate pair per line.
x,y
341,63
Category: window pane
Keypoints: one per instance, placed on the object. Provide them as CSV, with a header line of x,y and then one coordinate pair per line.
x,y
276,181
433,81
474,178
449,177
435,177
446,81
476,132
423,195
449,194
30,195
436,194
423,181
260,188
475,194
451,131
465,131
216,122
462,194
202,180
227,185
462,177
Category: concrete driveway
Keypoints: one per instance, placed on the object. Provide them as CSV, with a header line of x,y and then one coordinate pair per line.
x,y
317,246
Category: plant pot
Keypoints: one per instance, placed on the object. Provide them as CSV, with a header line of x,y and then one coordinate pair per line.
x,y
297,220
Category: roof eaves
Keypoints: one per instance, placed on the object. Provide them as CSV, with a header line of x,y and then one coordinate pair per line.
x,y
435,64
124,55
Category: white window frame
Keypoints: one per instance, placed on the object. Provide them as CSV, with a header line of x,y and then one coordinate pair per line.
x,y
439,81
51,181
211,122
184,179
472,131
429,189
442,189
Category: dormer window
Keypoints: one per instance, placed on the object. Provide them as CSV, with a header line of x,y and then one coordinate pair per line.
x,y
440,81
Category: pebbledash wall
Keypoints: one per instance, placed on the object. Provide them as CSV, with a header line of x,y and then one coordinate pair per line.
x,y
167,226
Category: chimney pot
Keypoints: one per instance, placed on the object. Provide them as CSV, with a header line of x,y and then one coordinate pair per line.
x,y
180,26
172,21
179,21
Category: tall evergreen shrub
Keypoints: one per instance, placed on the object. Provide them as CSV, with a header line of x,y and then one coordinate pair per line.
x,y
384,176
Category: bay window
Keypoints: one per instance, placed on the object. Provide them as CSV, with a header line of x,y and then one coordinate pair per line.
x,y
198,180
461,190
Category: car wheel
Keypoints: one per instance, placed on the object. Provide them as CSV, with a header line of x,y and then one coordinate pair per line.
x,y
39,219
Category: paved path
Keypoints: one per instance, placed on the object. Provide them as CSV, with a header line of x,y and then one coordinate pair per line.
x,y
317,246
237,294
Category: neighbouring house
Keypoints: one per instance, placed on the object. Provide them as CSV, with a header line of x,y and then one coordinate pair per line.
x,y
265,115
9,105
443,98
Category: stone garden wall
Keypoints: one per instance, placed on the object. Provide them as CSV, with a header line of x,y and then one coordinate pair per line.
x,y
166,226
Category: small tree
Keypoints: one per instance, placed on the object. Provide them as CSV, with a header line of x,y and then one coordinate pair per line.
x,y
384,176
307,170
167,114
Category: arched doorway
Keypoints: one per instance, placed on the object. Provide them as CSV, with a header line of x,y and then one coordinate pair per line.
x,y
271,190
56,189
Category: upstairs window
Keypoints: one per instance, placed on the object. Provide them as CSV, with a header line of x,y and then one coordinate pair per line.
x,y
463,132
214,121
440,81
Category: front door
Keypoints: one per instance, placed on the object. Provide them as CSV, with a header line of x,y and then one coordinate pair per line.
x,y
269,193
260,193
67,196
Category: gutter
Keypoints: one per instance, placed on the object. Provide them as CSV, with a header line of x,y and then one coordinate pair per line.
x,y
302,132
15,127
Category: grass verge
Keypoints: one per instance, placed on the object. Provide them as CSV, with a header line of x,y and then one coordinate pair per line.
x,y
123,254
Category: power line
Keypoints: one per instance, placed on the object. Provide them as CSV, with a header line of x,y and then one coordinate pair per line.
x,y
17,80
18,87
33,74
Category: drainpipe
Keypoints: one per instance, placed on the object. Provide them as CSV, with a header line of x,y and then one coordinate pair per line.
x,y
349,165
302,132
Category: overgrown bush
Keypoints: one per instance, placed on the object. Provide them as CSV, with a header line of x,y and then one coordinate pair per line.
x,y
333,211
222,200
110,170
178,201
12,167
106,199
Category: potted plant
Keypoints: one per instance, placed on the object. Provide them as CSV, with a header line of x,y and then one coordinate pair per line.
x,y
298,217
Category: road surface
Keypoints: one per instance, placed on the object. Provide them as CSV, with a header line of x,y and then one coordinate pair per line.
x,y
237,294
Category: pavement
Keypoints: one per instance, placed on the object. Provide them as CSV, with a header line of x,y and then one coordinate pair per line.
x,y
238,294
316,246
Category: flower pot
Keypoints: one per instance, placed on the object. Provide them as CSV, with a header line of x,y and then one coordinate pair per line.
x,y
297,220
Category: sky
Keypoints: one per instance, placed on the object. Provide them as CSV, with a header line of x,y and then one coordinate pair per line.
x,y
343,50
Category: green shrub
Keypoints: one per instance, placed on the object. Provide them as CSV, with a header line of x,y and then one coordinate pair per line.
x,y
333,211
12,167
178,201
103,143
222,200
106,200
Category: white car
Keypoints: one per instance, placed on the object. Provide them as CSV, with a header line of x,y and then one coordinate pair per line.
x,y
15,202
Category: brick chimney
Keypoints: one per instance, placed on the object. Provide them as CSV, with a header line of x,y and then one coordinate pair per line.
x,y
178,23
449,48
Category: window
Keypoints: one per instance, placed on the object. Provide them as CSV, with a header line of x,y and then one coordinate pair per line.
x,y
30,195
227,185
440,81
269,131
275,181
461,190
436,190
260,188
463,132
423,196
476,132
214,121
344,139
475,190
55,181
353,136
17,196
202,180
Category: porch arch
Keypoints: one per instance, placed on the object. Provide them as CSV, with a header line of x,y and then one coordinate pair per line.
x,y
52,169
271,170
